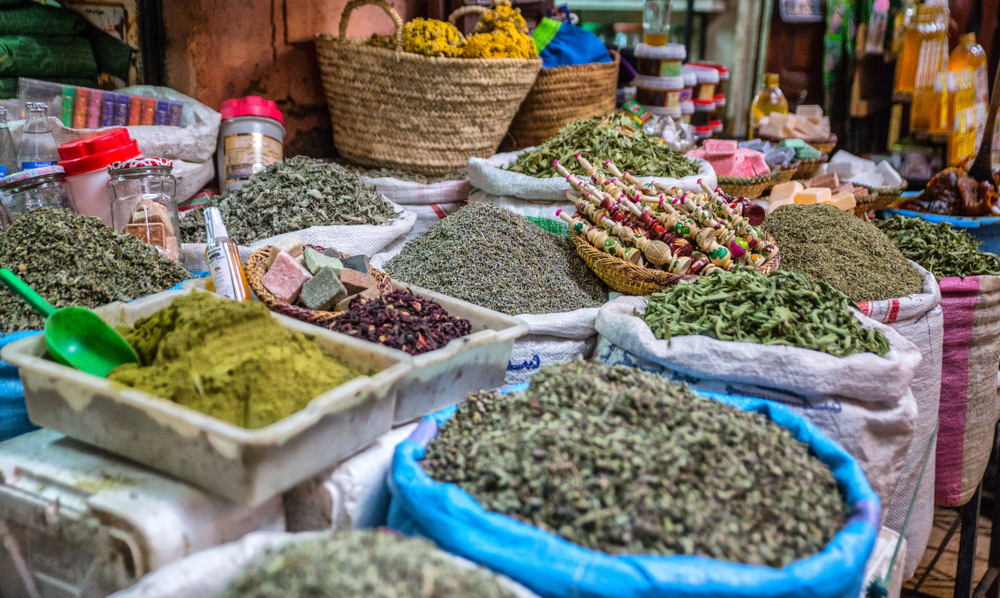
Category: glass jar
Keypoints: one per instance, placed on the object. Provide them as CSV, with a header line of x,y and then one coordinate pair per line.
x,y
34,188
143,203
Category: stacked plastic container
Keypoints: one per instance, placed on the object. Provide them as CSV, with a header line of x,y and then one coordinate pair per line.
x,y
660,84
711,87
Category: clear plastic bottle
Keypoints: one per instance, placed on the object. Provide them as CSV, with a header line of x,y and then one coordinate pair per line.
x,y
656,22
8,155
38,145
770,99
970,55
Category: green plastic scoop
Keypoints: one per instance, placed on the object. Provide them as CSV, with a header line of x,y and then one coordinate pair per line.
x,y
75,336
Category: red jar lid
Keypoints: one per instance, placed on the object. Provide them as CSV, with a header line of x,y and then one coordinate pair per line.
x,y
700,102
251,106
703,129
96,151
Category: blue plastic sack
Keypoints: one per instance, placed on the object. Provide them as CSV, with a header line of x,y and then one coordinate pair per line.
x,y
563,44
13,414
555,568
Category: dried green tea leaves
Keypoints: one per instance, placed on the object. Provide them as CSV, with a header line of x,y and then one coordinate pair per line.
x,y
72,260
615,138
495,258
941,249
781,308
292,195
827,243
361,564
626,462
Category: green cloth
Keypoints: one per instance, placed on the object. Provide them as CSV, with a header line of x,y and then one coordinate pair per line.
x,y
35,19
46,56
8,85
557,227
113,56
545,32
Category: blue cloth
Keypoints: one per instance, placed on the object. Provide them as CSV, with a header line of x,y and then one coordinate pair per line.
x,y
555,568
13,414
571,45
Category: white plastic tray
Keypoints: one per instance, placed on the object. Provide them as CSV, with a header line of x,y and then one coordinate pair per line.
x,y
248,466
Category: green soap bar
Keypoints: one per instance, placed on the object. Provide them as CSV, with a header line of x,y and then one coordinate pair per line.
x,y
316,261
792,142
323,291
807,153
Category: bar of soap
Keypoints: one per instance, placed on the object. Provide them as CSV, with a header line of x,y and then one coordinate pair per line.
x,y
810,111
331,252
345,303
777,203
323,291
793,143
807,153
292,245
316,261
813,196
829,180
285,277
890,178
784,191
358,263
719,148
357,281
843,187
843,200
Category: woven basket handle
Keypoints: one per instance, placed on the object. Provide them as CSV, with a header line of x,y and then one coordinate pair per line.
x,y
397,20
467,10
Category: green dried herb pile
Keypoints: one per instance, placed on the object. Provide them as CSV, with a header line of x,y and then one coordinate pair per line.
x,y
941,249
291,195
361,564
781,308
626,462
72,260
614,138
495,258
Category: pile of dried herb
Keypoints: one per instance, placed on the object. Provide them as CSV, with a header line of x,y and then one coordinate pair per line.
x,y
781,308
413,177
292,195
939,248
826,243
495,258
361,564
74,260
616,138
626,462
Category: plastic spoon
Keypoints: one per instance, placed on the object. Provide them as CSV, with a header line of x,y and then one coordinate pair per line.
x,y
75,336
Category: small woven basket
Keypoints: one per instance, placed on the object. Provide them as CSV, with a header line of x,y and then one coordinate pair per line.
x,y
629,279
417,113
807,168
563,94
864,204
825,146
887,196
749,187
785,172
257,267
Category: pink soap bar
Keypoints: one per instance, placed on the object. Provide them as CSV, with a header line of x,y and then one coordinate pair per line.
x,y
696,153
756,159
744,169
828,180
720,147
285,277
725,166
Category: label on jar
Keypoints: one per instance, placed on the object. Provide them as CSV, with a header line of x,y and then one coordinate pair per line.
x,y
30,165
249,153
3,171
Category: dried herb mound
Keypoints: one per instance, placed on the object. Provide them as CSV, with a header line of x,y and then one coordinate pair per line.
x,y
941,249
616,138
292,195
781,308
495,258
626,462
74,260
361,564
401,320
826,243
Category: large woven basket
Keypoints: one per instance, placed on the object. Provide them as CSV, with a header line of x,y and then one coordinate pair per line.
x,y
563,94
629,279
257,267
825,146
749,187
413,112
887,196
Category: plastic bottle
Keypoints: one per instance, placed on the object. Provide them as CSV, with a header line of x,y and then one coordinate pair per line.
x,y
970,55
656,22
925,50
769,100
223,257
877,24
8,157
38,145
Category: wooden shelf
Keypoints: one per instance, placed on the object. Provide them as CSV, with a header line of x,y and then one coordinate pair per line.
x,y
901,97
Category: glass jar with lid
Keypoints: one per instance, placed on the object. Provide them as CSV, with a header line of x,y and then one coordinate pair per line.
x,y
34,188
143,202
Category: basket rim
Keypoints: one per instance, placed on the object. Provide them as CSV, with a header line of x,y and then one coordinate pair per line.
x,y
831,139
754,180
357,44
615,59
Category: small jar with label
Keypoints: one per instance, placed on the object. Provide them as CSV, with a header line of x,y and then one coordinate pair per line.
x,y
690,82
687,111
251,138
703,110
717,121
143,203
660,61
659,92
702,133
708,80
34,188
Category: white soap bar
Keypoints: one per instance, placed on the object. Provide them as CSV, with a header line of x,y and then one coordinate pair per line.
x,y
810,111
844,170
777,203
890,177
786,190
292,245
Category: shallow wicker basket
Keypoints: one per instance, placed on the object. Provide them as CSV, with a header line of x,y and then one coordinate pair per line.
x,y
561,95
864,204
630,279
785,172
413,112
807,168
749,187
823,145
257,267
887,196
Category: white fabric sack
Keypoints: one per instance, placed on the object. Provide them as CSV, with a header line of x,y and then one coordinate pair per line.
x,y
355,239
353,493
205,574
920,320
551,338
878,563
862,401
410,193
191,177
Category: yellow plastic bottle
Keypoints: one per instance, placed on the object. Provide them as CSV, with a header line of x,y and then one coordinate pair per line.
x,y
770,99
925,50
970,55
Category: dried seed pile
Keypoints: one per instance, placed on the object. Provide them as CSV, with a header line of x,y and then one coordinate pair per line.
x,y
826,243
361,564
626,462
941,249
292,195
495,258
781,308
74,260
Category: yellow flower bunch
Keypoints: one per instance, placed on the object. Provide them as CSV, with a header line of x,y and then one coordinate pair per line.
x,y
504,41
501,12
425,36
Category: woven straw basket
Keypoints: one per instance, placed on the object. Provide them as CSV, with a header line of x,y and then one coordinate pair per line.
x,y
749,187
413,112
563,94
865,204
825,146
629,279
808,168
887,196
257,267
785,173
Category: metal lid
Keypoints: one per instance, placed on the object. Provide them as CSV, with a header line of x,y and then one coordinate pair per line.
x,y
139,163
31,173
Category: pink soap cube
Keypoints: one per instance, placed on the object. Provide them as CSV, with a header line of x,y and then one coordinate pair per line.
x,y
724,166
720,147
696,153
285,277
756,159
744,169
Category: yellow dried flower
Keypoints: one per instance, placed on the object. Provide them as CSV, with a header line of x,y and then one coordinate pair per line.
x,y
381,41
504,41
501,12
432,38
